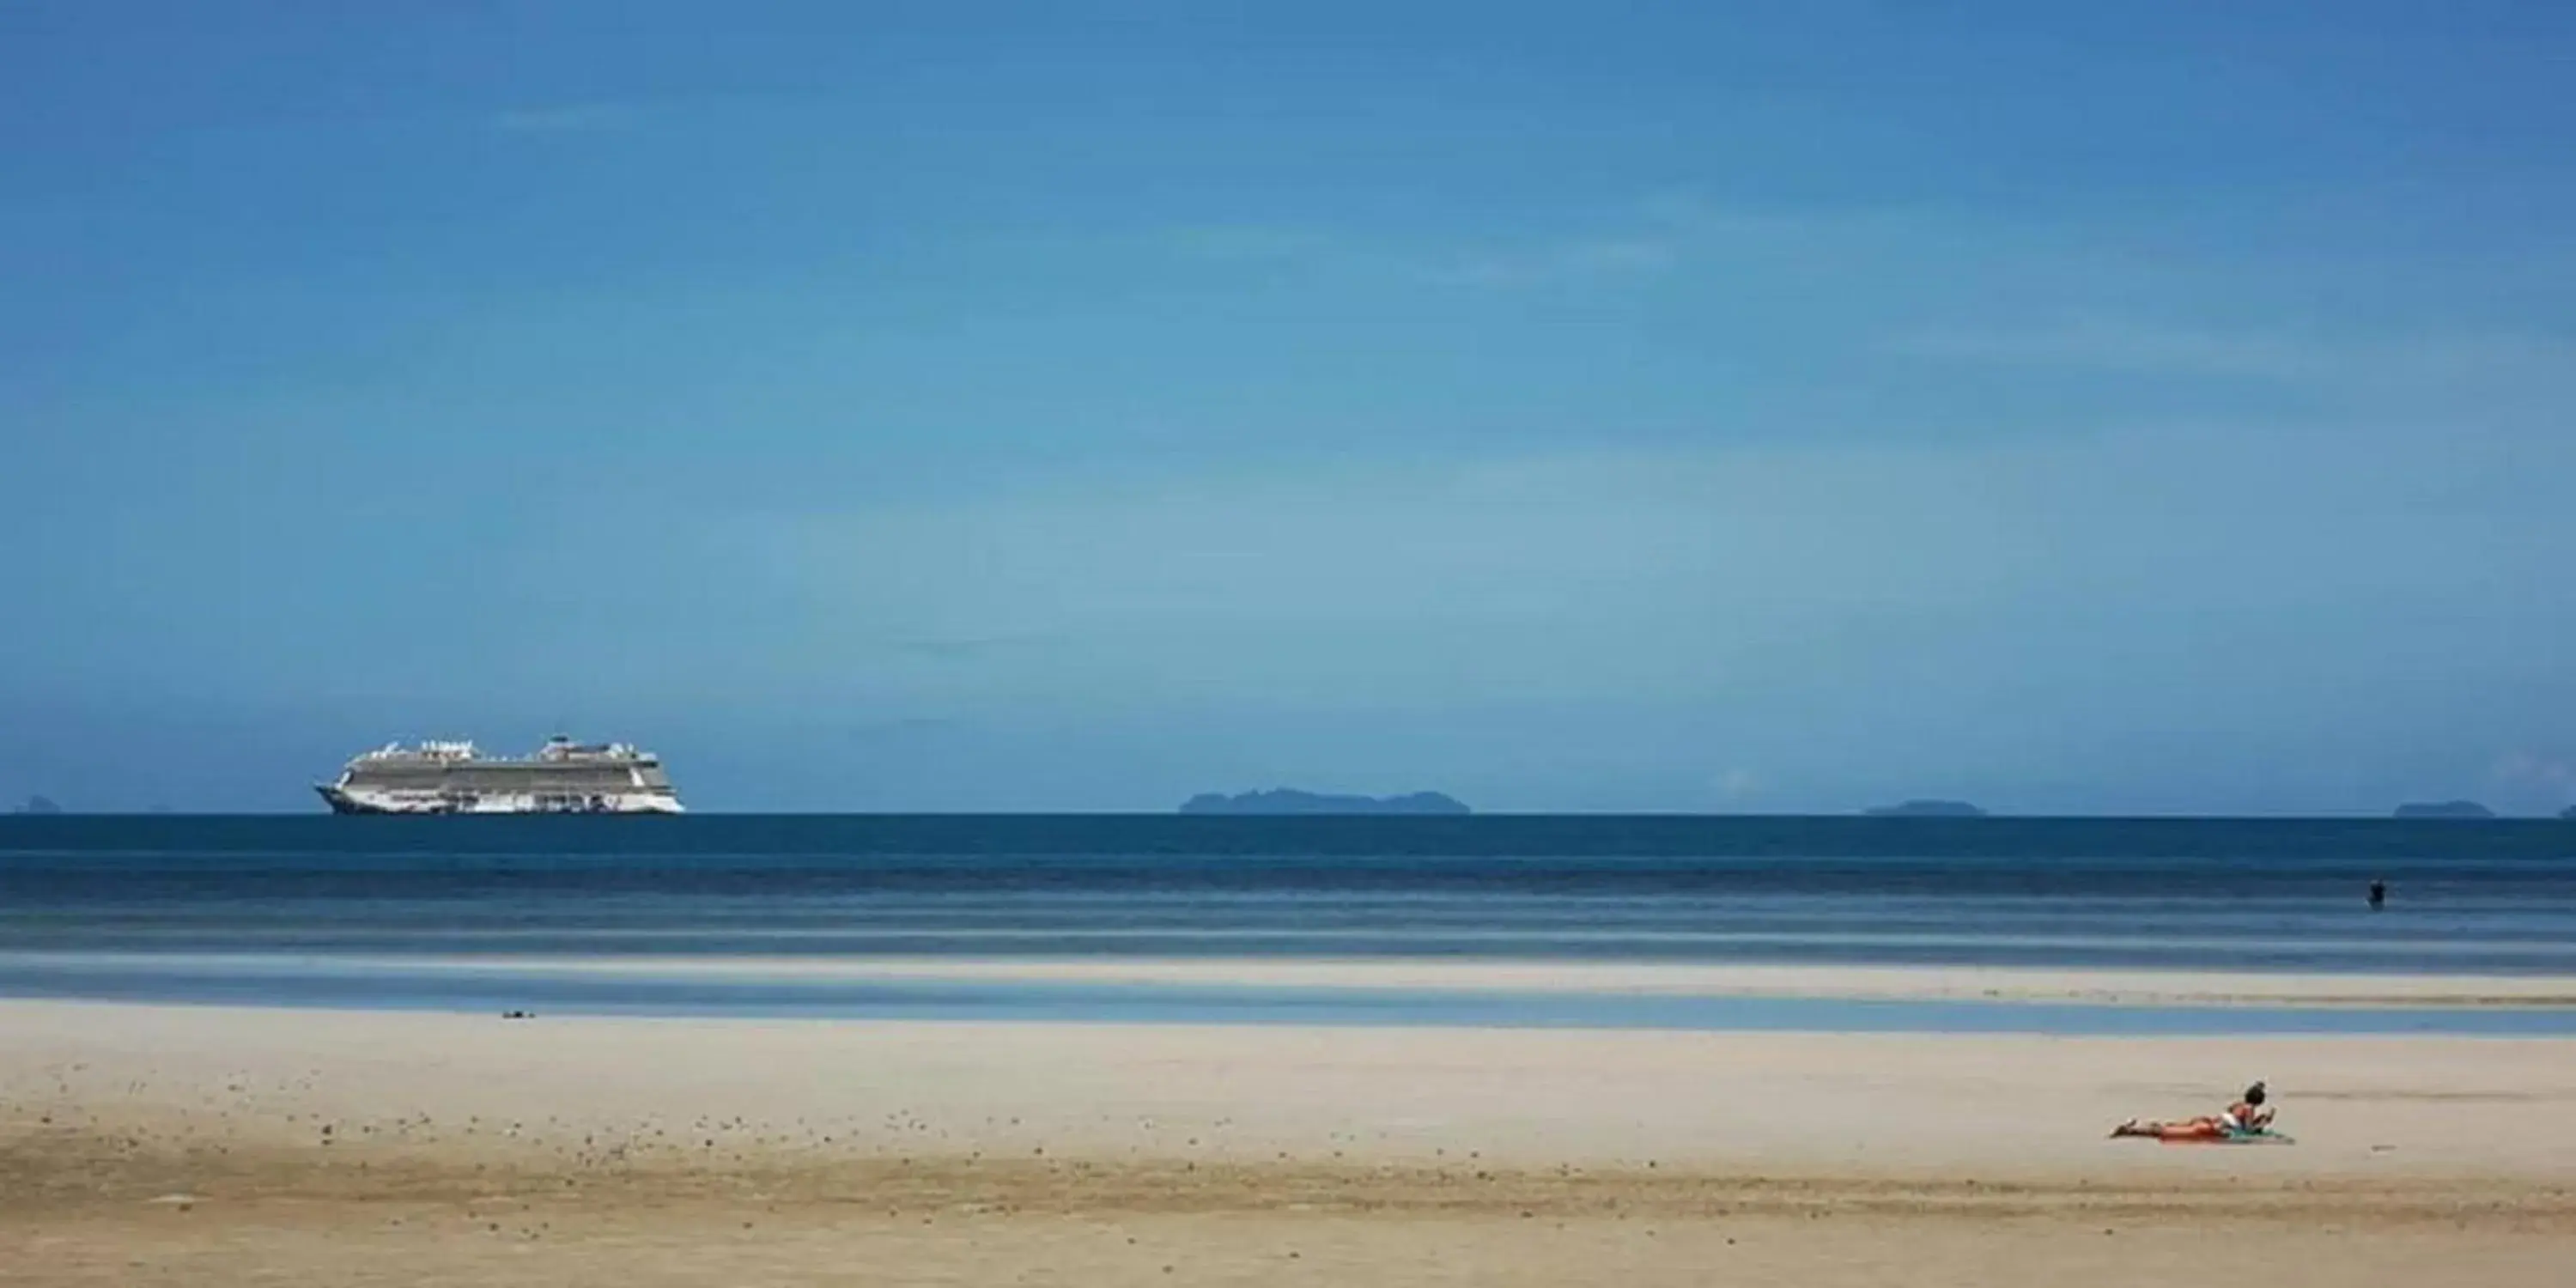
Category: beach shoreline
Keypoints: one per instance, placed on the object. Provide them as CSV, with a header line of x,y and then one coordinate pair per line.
x,y
1551,977
1764,980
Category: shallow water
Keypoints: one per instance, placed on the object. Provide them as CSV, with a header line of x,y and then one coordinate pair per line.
x,y
75,894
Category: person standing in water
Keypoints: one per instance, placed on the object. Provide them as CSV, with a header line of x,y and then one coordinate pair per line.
x,y
2378,894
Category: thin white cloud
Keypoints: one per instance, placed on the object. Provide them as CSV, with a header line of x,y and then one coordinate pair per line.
x,y
1664,234
1505,264
2114,345
957,649
1590,259
566,118
1649,238
2546,776
1240,242
2107,345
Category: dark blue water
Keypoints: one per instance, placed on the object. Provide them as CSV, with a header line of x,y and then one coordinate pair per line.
x,y
2202,894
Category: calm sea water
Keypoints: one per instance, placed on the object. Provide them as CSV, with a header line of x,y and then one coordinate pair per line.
x,y
290,908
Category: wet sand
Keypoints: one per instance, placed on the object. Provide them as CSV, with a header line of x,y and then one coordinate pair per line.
x,y
1663,979
148,1145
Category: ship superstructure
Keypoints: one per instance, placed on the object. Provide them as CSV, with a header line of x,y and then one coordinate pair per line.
x,y
563,777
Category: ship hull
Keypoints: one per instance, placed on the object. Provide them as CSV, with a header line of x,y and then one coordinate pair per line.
x,y
360,801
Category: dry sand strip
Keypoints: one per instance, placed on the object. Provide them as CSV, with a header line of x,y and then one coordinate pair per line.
x,y
769,1246
1982,1106
152,1146
91,1209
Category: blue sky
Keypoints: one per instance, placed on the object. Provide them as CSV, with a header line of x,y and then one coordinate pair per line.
x,y
2112,407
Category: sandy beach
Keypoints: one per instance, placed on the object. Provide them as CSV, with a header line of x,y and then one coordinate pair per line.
x,y
152,1145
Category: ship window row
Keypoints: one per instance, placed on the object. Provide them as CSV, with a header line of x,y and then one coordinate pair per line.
x,y
524,781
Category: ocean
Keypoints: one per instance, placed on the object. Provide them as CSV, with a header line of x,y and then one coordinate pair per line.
x,y
319,910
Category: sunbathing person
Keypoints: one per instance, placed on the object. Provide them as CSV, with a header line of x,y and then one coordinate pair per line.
x,y
2247,1117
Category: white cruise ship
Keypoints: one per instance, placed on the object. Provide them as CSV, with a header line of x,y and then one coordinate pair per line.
x,y
564,777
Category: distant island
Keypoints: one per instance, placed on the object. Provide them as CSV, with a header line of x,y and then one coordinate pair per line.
x,y
1285,801
1926,809
2568,813
2444,809
39,805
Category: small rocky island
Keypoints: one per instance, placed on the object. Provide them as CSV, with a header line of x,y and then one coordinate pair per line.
x,y
39,805
2444,809
1286,801
1926,809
